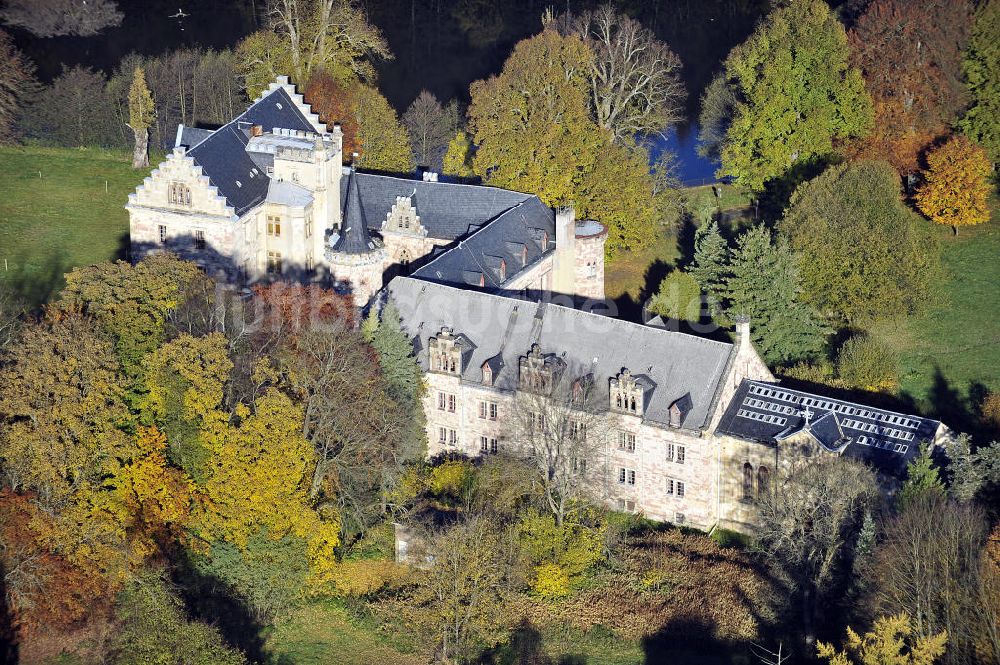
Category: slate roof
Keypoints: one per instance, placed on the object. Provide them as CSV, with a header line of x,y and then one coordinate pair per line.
x,y
188,137
354,237
768,412
502,329
499,241
447,210
223,156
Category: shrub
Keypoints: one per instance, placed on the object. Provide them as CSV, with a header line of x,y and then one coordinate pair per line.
x,y
990,410
450,479
867,363
551,581
573,546
678,298
362,577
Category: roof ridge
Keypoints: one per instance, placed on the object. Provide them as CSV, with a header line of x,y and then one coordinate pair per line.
x,y
637,326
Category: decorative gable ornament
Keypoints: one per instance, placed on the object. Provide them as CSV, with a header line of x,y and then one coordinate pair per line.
x,y
445,352
626,395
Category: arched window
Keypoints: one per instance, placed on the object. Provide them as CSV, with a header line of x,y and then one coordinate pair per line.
x,y
763,482
747,482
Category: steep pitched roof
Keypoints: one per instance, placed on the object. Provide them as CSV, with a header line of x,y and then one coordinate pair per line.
x,y
768,412
354,237
503,329
514,240
447,210
222,155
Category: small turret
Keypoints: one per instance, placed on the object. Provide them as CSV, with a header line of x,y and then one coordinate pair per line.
x,y
354,257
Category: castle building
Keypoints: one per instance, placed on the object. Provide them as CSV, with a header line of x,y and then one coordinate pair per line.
x,y
266,196
678,427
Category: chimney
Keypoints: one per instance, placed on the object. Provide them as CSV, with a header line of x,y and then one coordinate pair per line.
x,y
257,130
743,329
564,272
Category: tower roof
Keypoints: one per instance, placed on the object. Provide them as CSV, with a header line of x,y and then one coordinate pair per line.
x,y
354,237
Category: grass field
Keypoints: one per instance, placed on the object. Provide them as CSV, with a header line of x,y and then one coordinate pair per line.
x,y
951,352
60,208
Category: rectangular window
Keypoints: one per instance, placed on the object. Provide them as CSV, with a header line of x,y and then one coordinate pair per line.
x,y
442,435
163,234
482,410
626,476
488,445
578,431
621,475
670,452
274,226
274,263
670,486
309,226
626,441
493,410
199,239
452,437
580,466
680,489
441,401
631,477
680,454
451,403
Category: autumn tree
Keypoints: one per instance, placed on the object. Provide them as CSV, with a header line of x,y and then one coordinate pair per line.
x,y
911,57
928,566
56,18
334,102
981,64
141,114
431,127
816,509
795,93
956,187
16,77
457,160
890,642
863,252
867,363
765,285
634,80
534,133
133,303
305,36
988,605
383,140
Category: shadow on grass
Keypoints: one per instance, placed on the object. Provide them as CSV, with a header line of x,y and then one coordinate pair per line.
x,y
35,287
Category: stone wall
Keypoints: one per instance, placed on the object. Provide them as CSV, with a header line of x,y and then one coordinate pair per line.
x,y
590,239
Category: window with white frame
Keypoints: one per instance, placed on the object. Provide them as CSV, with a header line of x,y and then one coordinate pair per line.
x,y
199,239
626,476
488,410
680,488
274,263
680,454
274,226
670,452
163,234
488,445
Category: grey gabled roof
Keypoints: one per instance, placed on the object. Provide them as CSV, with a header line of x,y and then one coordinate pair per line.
x,y
503,329
886,439
188,137
288,193
222,155
446,210
523,226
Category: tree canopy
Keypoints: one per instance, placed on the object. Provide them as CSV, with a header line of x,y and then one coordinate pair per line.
x,y
982,72
911,57
796,94
956,187
863,252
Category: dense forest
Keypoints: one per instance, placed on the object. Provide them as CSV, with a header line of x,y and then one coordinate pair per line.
x,y
190,474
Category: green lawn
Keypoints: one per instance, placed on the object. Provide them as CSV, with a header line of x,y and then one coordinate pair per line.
x,y
951,352
323,631
60,208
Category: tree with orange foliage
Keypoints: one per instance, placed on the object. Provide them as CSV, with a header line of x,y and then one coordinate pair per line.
x,y
988,634
956,184
334,102
910,54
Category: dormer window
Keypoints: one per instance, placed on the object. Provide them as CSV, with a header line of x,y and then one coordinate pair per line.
x,y
487,374
445,353
537,372
626,394
178,194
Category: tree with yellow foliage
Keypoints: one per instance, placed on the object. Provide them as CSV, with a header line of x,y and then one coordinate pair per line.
x,y
956,185
458,157
889,643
